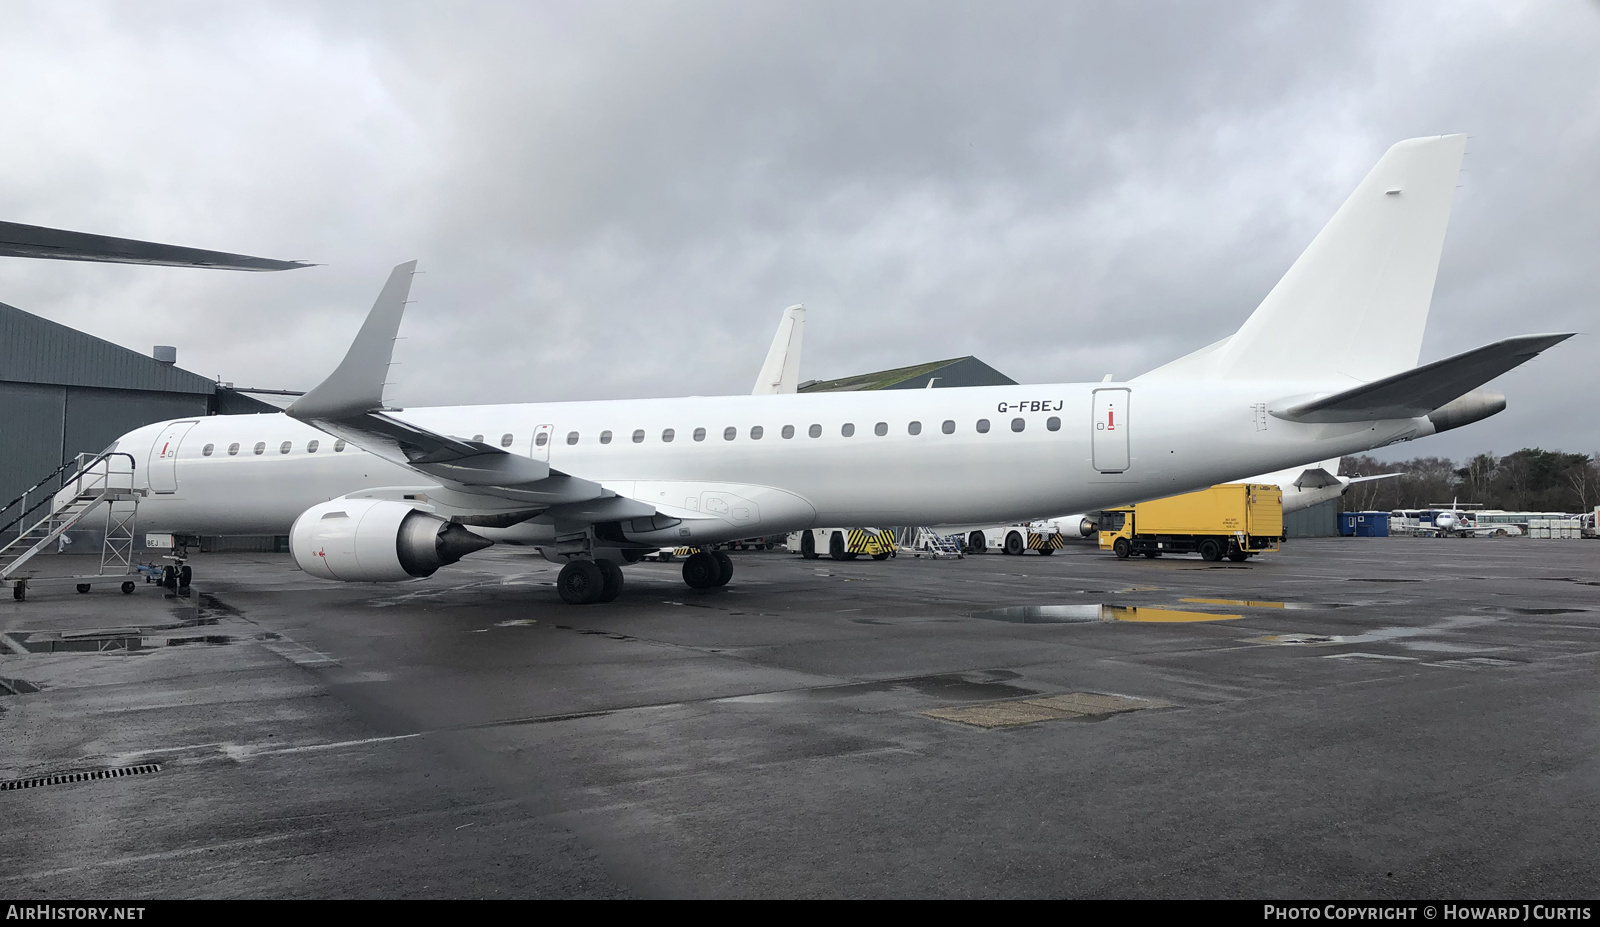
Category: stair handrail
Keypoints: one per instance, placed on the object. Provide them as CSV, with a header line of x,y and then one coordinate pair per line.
x,y
83,468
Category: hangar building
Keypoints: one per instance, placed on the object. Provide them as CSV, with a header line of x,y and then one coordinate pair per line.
x,y
63,392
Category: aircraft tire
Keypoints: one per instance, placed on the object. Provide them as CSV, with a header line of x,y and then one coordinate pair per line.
x,y
701,570
975,543
580,582
1121,548
611,580
808,545
185,575
724,568
1014,545
1210,550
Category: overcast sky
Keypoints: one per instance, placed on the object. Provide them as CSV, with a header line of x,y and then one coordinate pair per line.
x,y
618,199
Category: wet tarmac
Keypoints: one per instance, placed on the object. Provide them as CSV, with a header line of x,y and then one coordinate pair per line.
x,y
1351,718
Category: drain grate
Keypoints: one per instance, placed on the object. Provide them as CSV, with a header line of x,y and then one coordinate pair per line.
x,y
64,778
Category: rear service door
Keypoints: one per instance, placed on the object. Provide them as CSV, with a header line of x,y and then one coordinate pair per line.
x,y
541,442
1110,437
164,457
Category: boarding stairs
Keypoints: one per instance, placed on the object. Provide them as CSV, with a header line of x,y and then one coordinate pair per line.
x,y
925,543
61,501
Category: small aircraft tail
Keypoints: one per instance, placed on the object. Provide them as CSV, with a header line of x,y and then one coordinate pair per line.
x,y
781,372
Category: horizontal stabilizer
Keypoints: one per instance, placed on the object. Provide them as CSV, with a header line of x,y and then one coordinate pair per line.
x,y
1421,390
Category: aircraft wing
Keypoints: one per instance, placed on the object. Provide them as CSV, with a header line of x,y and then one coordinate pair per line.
x,y
349,405
1423,389
34,241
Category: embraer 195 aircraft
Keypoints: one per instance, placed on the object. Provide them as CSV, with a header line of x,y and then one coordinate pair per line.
x,y
1325,366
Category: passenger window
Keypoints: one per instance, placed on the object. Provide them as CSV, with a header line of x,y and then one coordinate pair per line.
x,y
338,446
1053,423
915,428
572,437
729,433
206,451
699,434
261,448
233,449
756,431
667,434
478,438
847,429
880,429
638,436
1018,424
285,446
815,431
505,439
983,426
312,445
539,440
788,431
948,427
605,437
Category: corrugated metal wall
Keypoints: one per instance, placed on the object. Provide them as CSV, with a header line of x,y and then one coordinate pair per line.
x,y
1318,521
32,421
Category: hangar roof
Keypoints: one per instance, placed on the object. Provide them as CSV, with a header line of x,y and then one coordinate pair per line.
x,y
957,371
36,350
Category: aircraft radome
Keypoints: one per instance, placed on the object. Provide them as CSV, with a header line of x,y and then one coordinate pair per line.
x,y
1325,366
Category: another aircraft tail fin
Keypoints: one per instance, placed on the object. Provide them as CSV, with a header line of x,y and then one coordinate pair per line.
x,y
1352,308
781,372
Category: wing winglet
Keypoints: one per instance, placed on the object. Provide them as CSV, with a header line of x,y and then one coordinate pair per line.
x,y
356,386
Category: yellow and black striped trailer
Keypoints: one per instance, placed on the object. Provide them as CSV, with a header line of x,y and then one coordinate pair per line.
x,y
843,543
1015,540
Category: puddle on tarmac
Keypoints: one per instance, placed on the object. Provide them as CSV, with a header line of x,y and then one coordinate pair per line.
x,y
1258,603
1086,614
1508,610
1380,634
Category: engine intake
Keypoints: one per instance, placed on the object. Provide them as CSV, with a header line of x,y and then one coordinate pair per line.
x,y
376,541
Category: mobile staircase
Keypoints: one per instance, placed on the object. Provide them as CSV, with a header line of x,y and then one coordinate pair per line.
x,y
926,543
61,501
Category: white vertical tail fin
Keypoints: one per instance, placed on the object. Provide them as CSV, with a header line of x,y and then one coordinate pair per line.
x,y
781,372
1353,307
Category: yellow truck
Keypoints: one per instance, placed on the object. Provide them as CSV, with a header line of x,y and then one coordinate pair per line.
x,y
1233,520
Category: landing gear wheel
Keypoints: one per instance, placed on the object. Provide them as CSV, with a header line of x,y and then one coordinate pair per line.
x,y
169,577
1122,548
1238,556
127,588
610,580
724,568
83,587
185,574
1210,550
1014,544
975,543
808,545
836,547
701,570
580,582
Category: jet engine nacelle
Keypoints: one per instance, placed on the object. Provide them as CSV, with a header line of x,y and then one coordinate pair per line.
x,y
376,541
1466,409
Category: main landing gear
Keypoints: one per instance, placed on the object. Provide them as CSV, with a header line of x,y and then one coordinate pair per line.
x,y
587,581
707,569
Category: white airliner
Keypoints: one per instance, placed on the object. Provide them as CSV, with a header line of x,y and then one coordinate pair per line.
x,y
1324,367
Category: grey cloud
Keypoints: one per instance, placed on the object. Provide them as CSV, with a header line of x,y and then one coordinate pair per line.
x,y
617,199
